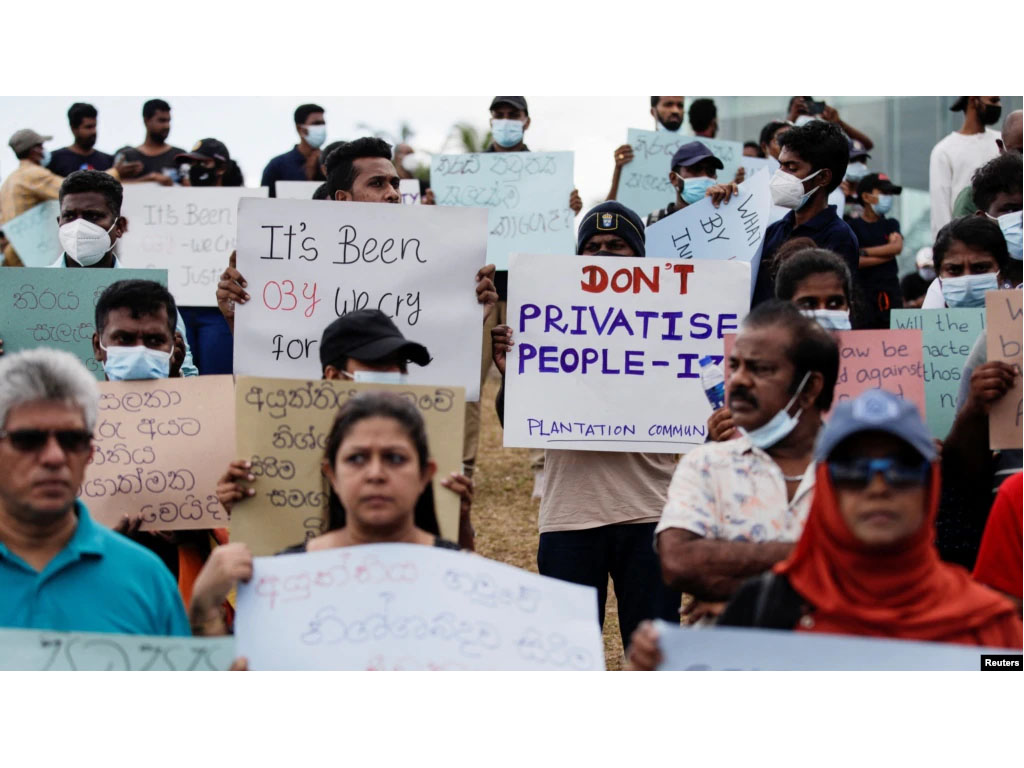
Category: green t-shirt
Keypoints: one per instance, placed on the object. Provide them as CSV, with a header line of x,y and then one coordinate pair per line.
x,y
964,204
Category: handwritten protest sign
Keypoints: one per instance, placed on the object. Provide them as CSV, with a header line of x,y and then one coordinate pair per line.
x,y
409,189
526,194
282,429
734,231
310,262
947,336
296,190
727,648
56,308
1003,320
752,165
607,350
34,234
36,650
407,606
189,231
889,360
161,445
644,185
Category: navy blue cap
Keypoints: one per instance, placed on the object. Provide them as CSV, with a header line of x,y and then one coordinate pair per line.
x,y
857,149
612,216
694,152
875,411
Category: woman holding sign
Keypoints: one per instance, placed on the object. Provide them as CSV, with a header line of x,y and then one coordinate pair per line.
x,y
866,563
377,462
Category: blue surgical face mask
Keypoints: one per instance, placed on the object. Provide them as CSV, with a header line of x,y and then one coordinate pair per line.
x,y
856,171
694,189
382,377
927,273
830,319
884,205
1011,226
507,133
968,290
45,160
316,135
779,426
134,363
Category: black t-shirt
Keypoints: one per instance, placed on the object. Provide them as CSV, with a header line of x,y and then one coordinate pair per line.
x,y
64,161
161,163
871,234
767,601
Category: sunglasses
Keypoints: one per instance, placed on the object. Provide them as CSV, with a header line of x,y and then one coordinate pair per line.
x,y
857,473
34,440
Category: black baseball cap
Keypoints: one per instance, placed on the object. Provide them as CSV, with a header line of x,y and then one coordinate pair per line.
x,y
857,149
877,181
694,152
519,102
206,149
368,335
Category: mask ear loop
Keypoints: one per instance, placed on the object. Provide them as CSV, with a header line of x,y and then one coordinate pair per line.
x,y
796,394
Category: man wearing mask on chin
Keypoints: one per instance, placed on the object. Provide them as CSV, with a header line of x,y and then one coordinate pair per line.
x,y
956,157
694,168
28,185
302,162
90,225
735,508
813,160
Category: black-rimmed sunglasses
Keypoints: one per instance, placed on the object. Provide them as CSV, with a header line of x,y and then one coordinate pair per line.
x,y
34,440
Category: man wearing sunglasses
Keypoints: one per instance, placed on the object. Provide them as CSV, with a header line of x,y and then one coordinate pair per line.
x,y
59,570
735,507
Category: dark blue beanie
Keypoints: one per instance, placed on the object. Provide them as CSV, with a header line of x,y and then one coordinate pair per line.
x,y
612,218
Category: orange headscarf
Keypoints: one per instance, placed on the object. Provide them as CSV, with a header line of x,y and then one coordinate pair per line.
x,y
909,594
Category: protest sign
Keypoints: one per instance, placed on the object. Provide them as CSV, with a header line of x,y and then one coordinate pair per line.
x,y
408,606
526,195
734,231
189,231
728,648
34,234
644,185
40,650
161,445
309,262
56,308
607,349
1003,322
947,335
889,360
752,165
296,190
409,189
282,429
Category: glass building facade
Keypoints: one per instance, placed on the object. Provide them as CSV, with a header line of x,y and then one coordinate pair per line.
x,y
903,128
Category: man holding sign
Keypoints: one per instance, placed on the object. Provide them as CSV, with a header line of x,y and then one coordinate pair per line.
x,y
694,169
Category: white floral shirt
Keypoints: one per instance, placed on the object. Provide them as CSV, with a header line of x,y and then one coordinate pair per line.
x,y
734,491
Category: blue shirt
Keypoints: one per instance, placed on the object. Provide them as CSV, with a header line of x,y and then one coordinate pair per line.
x,y
827,230
291,166
100,582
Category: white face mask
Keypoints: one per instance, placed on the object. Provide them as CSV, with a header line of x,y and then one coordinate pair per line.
x,y
316,135
788,190
84,241
382,377
830,319
779,426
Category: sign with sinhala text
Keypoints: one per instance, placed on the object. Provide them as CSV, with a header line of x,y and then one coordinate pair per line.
x,y
644,184
161,445
526,195
282,429
1003,318
947,335
189,231
606,350
309,262
34,234
734,231
728,648
408,606
56,308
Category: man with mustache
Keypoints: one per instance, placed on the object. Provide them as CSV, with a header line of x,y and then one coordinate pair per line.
x,y
735,508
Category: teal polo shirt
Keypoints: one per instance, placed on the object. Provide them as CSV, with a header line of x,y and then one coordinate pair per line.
x,y
100,582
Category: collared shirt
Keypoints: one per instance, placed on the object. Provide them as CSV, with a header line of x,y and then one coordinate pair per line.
x,y
291,166
27,186
188,368
826,229
734,491
99,582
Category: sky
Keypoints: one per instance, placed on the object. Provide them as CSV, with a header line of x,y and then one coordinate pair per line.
x,y
256,128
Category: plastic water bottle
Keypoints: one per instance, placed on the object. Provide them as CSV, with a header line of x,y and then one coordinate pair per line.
x,y
713,381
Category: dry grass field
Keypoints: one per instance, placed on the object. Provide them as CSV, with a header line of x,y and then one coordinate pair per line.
x,y
504,515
